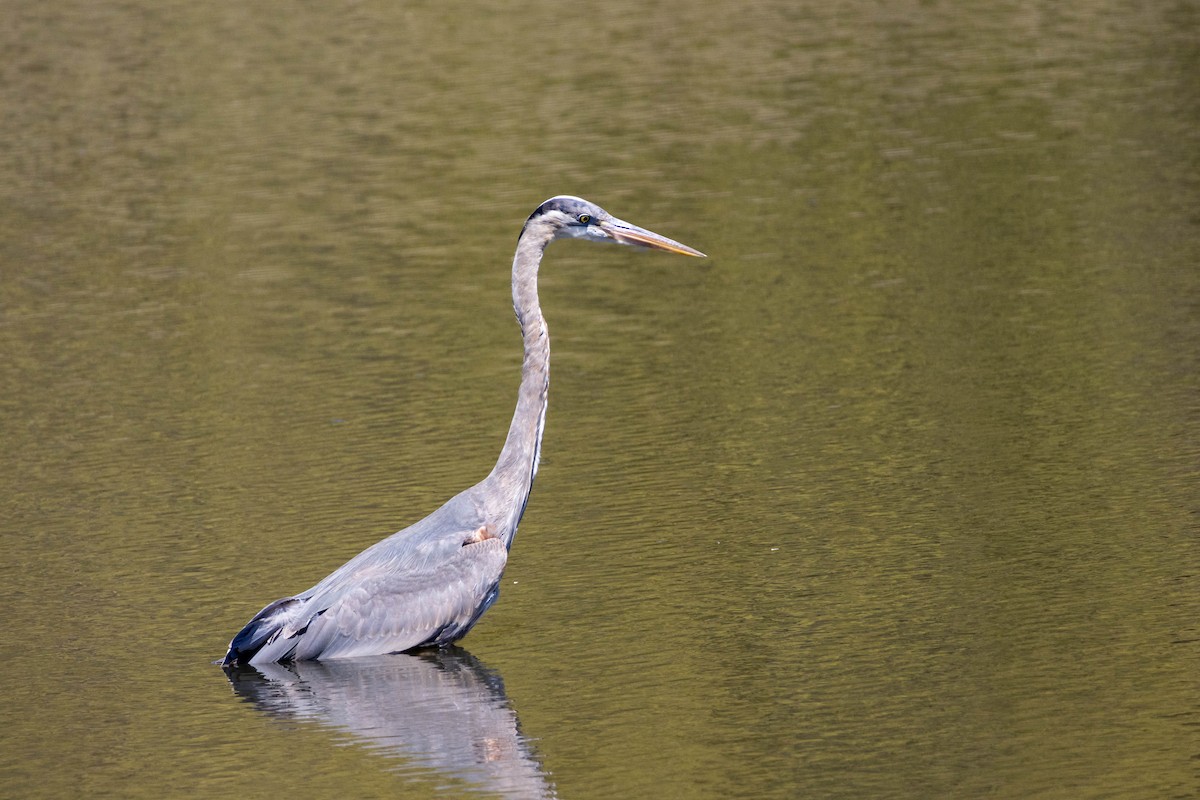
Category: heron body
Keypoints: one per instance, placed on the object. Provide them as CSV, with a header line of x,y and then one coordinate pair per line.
x,y
429,583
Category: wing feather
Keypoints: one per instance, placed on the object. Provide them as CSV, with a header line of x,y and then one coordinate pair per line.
x,y
379,609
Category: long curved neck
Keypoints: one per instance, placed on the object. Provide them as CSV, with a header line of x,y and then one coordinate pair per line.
x,y
512,477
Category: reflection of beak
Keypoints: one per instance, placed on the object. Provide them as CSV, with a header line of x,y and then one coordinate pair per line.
x,y
621,231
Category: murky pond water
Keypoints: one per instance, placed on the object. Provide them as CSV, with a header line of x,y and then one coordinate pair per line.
x,y
893,496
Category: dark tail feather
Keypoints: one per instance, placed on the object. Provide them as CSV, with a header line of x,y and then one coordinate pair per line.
x,y
258,632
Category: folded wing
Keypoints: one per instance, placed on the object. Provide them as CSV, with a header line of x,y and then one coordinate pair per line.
x,y
377,609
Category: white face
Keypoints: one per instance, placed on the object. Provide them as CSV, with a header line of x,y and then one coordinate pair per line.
x,y
572,218
570,227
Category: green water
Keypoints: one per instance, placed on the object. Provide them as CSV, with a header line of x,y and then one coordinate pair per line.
x,y
893,496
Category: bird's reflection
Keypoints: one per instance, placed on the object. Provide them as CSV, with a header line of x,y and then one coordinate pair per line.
x,y
441,710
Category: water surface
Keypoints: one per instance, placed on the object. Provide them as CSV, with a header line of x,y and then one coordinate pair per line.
x,y
893,496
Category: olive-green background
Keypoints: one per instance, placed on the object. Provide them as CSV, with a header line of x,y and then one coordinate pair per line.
x,y
895,495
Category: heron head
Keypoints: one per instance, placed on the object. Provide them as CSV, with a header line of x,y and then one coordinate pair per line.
x,y
575,218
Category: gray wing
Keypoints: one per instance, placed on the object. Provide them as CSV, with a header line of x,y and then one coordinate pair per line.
x,y
377,608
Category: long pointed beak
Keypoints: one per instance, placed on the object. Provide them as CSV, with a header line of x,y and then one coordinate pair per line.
x,y
625,233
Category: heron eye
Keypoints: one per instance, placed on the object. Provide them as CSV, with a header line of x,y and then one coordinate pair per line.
x,y
585,218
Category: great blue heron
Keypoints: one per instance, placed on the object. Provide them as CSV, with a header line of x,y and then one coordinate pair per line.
x,y
429,583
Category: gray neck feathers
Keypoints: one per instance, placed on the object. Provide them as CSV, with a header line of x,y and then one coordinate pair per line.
x,y
512,477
